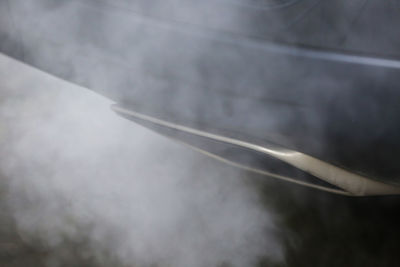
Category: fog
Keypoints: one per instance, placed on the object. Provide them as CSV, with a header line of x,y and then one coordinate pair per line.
x,y
75,171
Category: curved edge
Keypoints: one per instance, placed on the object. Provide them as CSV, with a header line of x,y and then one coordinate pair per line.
x,y
352,183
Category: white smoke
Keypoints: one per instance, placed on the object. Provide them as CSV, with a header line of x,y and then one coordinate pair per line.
x,y
76,171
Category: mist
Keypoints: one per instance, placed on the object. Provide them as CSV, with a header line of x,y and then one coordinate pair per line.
x,y
77,172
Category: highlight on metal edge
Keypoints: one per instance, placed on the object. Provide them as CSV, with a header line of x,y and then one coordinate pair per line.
x,y
352,184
